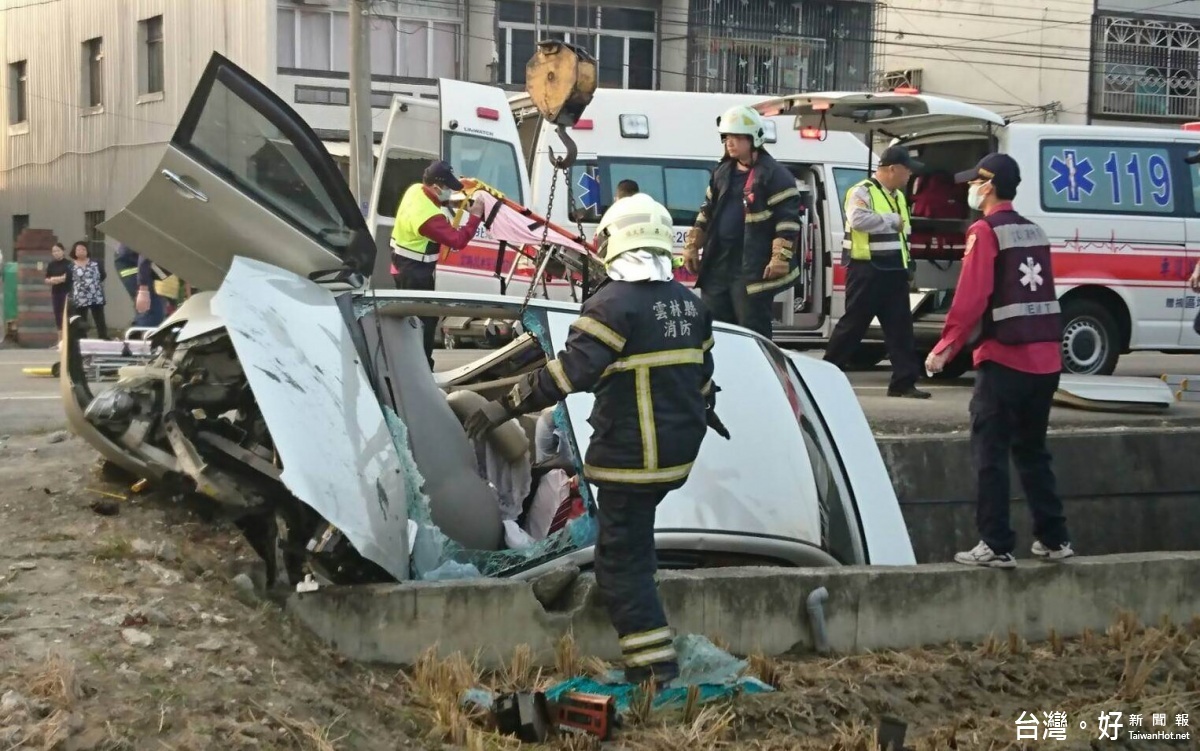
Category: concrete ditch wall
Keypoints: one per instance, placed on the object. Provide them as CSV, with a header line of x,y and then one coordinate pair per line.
x,y
763,609
1124,491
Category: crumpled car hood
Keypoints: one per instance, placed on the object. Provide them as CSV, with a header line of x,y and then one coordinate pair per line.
x,y
325,420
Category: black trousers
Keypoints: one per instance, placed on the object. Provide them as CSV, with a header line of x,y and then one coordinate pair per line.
x,y
418,276
1010,411
97,312
626,563
726,298
59,301
872,293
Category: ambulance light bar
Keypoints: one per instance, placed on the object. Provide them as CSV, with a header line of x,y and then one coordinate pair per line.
x,y
909,90
635,126
1191,127
582,125
487,113
810,132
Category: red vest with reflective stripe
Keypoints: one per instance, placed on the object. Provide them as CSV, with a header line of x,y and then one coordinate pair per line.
x,y
1024,307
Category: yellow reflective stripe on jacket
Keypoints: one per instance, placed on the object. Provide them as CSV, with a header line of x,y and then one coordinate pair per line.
x,y
783,195
415,209
708,344
787,227
637,476
555,369
127,272
645,409
861,244
656,360
758,216
770,284
599,331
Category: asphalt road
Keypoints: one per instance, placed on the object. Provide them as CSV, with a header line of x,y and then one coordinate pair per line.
x,y
30,404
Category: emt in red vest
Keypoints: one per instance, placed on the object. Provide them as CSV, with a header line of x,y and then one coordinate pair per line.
x,y
1006,293
422,227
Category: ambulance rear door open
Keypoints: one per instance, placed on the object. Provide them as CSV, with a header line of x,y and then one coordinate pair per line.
x,y
923,123
469,125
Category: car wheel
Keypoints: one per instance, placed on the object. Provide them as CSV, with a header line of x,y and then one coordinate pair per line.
x,y
1091,338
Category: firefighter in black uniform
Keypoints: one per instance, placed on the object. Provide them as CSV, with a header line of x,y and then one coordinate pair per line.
x,y
643,345
747,228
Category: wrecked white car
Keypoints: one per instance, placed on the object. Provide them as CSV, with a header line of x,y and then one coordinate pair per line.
x,y
294,398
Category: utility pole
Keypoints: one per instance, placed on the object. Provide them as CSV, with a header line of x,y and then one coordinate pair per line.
x,y
362,130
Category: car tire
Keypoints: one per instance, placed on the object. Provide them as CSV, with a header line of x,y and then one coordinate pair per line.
x,y
1091,340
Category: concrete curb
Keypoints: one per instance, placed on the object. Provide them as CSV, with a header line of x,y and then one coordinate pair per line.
x,y
763,609
1124,491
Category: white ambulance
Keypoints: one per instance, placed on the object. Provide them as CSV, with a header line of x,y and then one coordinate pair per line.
x,y
665,141
1120,204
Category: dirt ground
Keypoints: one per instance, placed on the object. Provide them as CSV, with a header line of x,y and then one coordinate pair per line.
x,y
135,631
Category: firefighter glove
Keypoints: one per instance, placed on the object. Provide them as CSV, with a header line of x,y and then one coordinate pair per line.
x,y
695,240
486,419
714,422
781,256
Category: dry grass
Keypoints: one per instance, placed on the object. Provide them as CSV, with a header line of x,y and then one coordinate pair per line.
x,y
57,682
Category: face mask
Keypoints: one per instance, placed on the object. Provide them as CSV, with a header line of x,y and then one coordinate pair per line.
x,y
974,200
444,194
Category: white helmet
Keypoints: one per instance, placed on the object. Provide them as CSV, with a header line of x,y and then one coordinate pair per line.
x,y
636,222
743,121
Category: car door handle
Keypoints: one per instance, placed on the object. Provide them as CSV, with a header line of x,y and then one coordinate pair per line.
x,y
182,184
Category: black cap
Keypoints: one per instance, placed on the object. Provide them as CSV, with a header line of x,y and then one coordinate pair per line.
x,y
442,173
1001,169
899,155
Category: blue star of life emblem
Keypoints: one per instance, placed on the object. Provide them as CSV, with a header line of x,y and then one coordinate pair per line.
x,y
1071,175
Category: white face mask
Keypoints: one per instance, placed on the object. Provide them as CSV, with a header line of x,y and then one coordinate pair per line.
x,y
444,194
974,200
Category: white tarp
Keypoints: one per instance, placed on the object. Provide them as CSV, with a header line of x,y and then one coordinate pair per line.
x,y
328,427
1113,393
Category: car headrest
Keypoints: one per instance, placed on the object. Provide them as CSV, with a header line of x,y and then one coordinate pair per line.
x,y
510,439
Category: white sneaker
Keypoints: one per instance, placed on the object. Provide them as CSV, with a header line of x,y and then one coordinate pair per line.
x,y
983,555
1057,554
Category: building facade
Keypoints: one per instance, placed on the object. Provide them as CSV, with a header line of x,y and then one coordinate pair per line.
x,y
1129,62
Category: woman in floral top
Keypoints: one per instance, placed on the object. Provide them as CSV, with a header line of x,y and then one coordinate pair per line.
x,y
87,287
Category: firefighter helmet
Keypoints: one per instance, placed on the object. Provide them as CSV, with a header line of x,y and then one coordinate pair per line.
x,y
743,121
636,222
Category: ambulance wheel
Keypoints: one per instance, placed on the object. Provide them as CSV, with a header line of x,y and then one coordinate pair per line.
x,y
1091,338
55,369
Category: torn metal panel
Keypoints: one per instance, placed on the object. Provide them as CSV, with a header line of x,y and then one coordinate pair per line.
x,y
1113,393
327,425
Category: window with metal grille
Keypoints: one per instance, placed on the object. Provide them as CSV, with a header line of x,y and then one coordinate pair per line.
x,y
1145,69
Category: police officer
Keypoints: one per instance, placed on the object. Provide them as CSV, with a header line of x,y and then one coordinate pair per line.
x,y
875,253
642,344
422,227
1006,293
747,227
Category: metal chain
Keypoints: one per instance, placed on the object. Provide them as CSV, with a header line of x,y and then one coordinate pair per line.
x,y
537,261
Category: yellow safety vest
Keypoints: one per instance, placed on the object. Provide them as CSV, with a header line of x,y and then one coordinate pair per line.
x,y
415,209
886,249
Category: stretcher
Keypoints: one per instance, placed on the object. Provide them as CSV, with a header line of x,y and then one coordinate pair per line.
x,y
103,358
